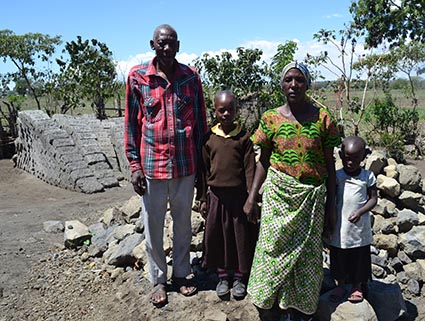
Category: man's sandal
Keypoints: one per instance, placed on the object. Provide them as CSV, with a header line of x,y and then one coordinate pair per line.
x,y
158,296
186,286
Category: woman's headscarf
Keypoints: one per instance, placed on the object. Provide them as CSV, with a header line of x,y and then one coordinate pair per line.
x,y
301,67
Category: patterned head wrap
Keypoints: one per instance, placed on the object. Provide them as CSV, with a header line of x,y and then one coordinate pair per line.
x,y
301,67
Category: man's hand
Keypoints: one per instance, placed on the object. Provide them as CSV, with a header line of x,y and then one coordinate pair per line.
x,y
139,182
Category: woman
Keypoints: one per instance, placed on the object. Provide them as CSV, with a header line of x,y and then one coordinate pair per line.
x,y
298,171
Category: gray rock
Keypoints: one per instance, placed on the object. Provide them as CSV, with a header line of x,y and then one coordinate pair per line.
x,y
328,310
413,242
376,162
409,177
387,300
396,264
410,199
112,216
403,257
380,260
378,271
123,254
103,239
122,231
386,242
402,277
388,186
96,228
131,208
76,234
406,219
53,226
413,287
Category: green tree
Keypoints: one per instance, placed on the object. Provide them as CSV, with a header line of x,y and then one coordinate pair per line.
x,y
25,51
408,59
88,74
242,73
273,95
389,20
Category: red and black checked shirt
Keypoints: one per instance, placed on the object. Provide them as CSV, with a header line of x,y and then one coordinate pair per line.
x,y
164,122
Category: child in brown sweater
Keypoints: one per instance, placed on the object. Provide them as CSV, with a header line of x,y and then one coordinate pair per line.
x,y
229,164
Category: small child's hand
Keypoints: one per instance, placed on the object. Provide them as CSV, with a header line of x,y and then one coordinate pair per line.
x,y
252,211
354,217
203,209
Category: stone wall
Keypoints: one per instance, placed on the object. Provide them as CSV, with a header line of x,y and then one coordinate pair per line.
x,y
79,153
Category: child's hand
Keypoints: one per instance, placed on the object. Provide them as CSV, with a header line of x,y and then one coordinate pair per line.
x,y
355,217
252,211
203,209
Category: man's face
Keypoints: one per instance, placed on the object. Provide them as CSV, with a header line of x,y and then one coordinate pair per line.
x,y
166,46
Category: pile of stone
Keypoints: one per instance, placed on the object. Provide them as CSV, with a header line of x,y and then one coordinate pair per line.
x,y
72,152
398,252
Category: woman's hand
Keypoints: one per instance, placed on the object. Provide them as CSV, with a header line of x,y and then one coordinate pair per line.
x,y
330,219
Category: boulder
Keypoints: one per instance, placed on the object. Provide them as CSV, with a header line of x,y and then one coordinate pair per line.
x,y
131,208
328,310
387,300
410,199
413,242
376,161
123,254
406,219
409,177
386,242
76,234
388,186
391,171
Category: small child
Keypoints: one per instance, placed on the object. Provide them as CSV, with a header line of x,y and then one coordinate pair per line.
x,y
228,166
350,242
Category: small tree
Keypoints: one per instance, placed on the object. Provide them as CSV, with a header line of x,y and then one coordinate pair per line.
x,y
24,51
347,104
88,74
242,73
409,59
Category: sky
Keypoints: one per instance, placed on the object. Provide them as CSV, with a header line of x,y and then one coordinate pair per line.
x,y
202,26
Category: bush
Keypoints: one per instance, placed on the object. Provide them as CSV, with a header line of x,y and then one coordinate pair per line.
x,y
393,127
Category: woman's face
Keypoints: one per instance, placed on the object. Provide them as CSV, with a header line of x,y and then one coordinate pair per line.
x,y
294,86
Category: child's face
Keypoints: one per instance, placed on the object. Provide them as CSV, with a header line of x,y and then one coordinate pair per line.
x,y
225,110
351,159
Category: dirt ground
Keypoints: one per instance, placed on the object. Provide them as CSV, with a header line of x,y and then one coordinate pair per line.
x,y
40,280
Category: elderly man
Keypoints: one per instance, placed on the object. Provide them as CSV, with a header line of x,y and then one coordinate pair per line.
x,y
165,120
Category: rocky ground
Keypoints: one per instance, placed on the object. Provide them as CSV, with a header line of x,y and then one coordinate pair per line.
x,y
40,280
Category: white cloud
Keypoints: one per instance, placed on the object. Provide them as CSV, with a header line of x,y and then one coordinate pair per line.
x,y
269,49
334,15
